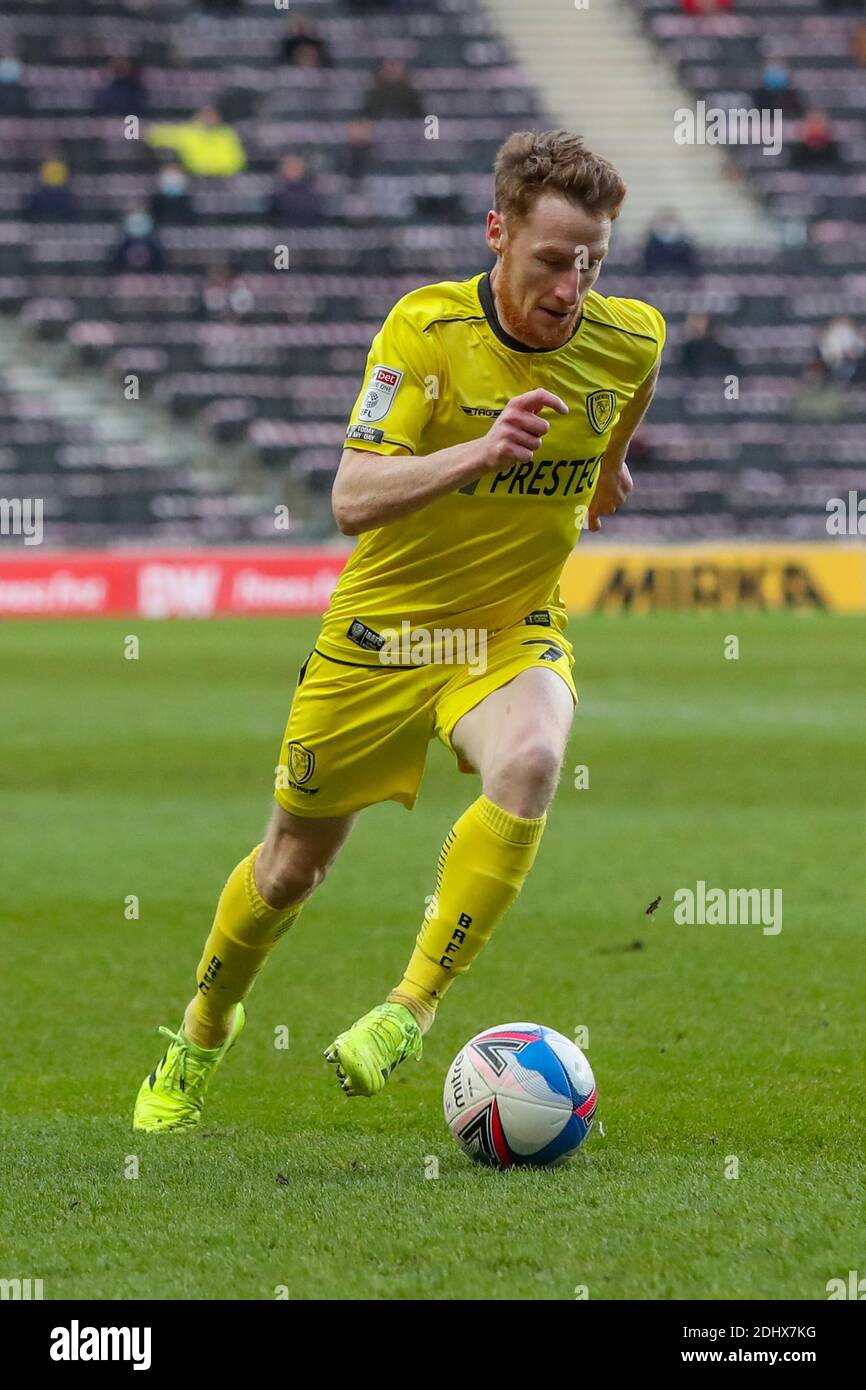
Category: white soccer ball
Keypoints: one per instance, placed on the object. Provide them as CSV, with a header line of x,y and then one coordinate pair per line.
x,y
520,1094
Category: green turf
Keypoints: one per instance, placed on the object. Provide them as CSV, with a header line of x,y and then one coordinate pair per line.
x,y
151,777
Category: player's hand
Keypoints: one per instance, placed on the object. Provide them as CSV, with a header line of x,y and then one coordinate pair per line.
x,y
614,485
517,433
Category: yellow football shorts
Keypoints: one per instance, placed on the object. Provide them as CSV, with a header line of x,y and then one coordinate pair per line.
x,y
358,734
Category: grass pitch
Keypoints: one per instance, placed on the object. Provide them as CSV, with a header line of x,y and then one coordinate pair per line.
x,y
717,1049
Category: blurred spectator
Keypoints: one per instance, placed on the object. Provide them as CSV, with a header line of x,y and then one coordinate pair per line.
x,y
14,100
668,248
225,294
355,160
221,6
171,201
53,199
858,44
357,153
296,201
841,347
139,248
818,398
303,45
776,92
123,93
705,6
641,451
439,201
392,93
702,352
379,6
205,145
815,146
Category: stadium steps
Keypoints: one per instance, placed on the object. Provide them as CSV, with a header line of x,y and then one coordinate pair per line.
x,y
40,368
601,76
32,367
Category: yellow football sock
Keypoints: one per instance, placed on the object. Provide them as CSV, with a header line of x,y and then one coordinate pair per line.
x,y
244,932
482,868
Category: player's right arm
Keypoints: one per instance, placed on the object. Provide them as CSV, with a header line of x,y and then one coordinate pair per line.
x,y
371,489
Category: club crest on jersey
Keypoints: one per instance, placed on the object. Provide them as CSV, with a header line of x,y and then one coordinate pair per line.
x,y
301,762
383,387
600,407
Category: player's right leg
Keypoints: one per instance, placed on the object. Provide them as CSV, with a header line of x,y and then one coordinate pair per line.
x,y
261,899
515,737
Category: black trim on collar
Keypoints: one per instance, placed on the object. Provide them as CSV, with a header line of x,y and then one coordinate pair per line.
x,y
488,304
616,328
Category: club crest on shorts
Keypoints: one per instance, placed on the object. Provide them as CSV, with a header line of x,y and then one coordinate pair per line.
x,y
600,407
301,762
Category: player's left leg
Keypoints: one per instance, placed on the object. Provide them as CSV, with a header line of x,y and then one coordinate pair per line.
x,y
516,738
262,898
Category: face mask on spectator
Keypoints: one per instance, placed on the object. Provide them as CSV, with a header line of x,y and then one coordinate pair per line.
x,y
173,182
668,231
10,70
775,77
138,224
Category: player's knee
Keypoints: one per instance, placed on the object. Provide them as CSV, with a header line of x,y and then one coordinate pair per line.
x,y
285,877
525,777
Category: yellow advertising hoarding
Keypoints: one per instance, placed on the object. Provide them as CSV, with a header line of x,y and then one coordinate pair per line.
x,y
607,579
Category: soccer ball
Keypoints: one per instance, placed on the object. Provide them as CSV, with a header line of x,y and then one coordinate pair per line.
x,y
520,1094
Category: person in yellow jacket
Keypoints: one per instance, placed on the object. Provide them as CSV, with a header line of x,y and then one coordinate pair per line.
x,y
205,145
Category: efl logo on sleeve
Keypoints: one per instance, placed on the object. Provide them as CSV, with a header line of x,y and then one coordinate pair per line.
x,y
384,385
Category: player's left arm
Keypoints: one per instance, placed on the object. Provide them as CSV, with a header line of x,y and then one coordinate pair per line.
x,y
615,481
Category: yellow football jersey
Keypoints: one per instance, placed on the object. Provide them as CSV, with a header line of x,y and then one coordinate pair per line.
x,y
440,370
